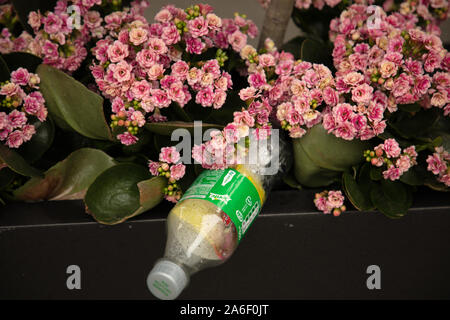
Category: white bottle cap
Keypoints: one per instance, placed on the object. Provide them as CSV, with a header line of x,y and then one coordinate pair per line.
x,y
167,280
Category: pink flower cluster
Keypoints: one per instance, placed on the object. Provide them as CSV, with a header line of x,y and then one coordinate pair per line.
x,y
9,44
221,151
169,168
20,100
330,202
297,89
60,38
361,121
144,67
428,13
393,158
439,164
306,4
389,60
302,93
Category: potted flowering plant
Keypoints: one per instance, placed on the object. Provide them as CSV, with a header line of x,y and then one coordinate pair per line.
x,y
112,87
92,92
388,96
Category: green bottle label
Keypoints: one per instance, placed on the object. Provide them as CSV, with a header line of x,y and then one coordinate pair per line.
x,y
232,192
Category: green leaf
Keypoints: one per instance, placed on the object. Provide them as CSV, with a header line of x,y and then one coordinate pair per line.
x,y
6,177
376,173
316,52
166,128
72,105
355,193
180,112
5,74
122,192
410,107
290,180
365,182
17,163
416,125
329,152
151,193
16,60
41,141
68,179
24,7
415,176
307,172
393,199
431,181
294,46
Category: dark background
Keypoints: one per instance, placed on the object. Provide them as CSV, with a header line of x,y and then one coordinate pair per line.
x,y
291,252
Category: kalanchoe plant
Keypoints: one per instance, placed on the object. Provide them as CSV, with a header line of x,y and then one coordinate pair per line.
x,y
330,202
438,164
21,100
144,68
367,111
390,156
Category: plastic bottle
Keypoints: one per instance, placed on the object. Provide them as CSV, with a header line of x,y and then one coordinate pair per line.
x,y
207,224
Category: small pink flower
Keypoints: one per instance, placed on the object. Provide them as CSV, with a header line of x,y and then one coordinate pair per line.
x,y
205,97
180,70
257,79
198,27
28,131
439,99
214,22
34,19
140,89
266,60
163,16
146,58
127,138
362,94
157,46
138,36
31,105
52,23
231,133
17,119
445,179
121,71
15,139
117,51
346,131
169,155
321,204
219,99
156,71
247,93
9,89
160,98
436,164
335,199
20,77
153,167
170,35
392,173
391,148
177,171
237,40
3,120
403,163
194,45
